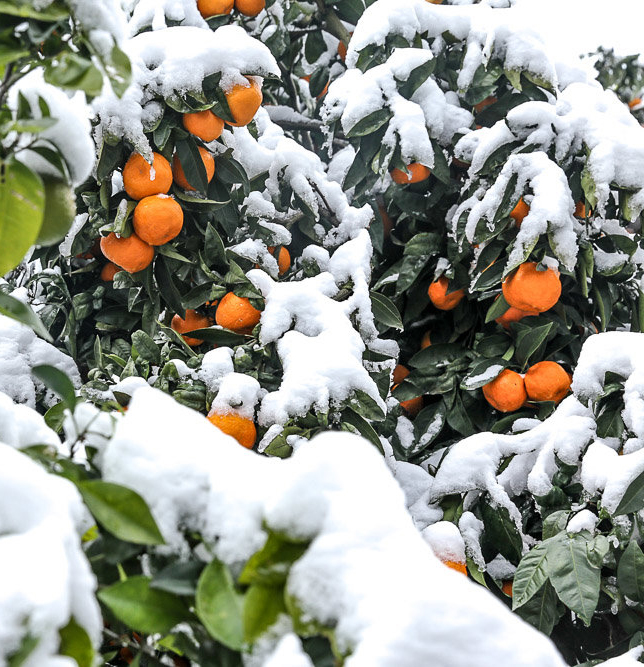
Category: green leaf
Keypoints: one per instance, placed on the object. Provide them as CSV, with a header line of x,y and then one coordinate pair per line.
x,y
192,164
439,354
146,347
218,336
143,608
58,382
219,606
179,578
22,201
541,610
262,607
502,532
270,565
633,498
27,647
498,308
385,311
364,428
214,252
27,11
630,572
482,372
529,340
555,523
574,578
169,290
530,575
76,643
55,416
21,312
366,406
589,187
121,511
370,123
73,71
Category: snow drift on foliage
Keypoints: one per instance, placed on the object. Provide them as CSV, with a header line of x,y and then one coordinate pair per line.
x,y
45,579
337,492
20,351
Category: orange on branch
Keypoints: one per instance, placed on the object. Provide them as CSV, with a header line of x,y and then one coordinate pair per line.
x,y
180,176
530,289
208,8
132,254
203,124
237,313
519,212
244,101
547,381
250,7
140,179
157,219
417,173
109,271
506,392
438,295
192,321
240,428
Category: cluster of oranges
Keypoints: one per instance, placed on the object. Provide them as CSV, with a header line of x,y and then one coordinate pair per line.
x,y
158,217
209,8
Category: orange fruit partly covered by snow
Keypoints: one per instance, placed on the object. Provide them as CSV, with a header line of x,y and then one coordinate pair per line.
x,y
532,290
506,392
342,49
180,176
209,8
507,587
283,259
547,381
635,102
425,341
400,373
440,298
157,219
580,210
132,254
519,212
250,7
243,101
459,567
109,271
192,321
417,173
412,406
203,124
237,313
140,179
240,428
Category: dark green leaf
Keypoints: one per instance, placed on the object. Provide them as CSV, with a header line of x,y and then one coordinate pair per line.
x,y
541,610
529,341
179,578
363,427
270,565
58,382
630,572
530,575
17,310
633,498
502,532
385,311
146,347
369,124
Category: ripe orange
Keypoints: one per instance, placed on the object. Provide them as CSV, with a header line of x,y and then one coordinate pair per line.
x,y
436,2
519,212
138,180
283,259
411,406
179,175
237,314
244,101
157,219
417,172
634,102
131,253
532,290
342,49
425,341
193,321
400,373
547,381
488,101
580,210
506,392
209,8
203,124
507,587
240,428
440,298
387,222
109,271
324,90
513,314
459,567
250,7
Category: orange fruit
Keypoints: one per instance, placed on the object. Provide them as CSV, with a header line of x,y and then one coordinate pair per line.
x,y
209,8
400,373
244,101
283,259
440,298
240,428
417,172
325,89
137,176
519,212
250,7
512,314
109,271
507,587
580,210
203,124
193,321
342,49
634,102
459,567
157,219
237,313
425,341
488,101
547,381
532,290
506,392
131,253
436,2
387,222
412,406
179,175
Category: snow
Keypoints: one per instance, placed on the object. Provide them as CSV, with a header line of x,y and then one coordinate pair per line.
x,y
628,659
20,351
20,426
584,520
289,653
45,578
71,134
446,542
156,14
360,533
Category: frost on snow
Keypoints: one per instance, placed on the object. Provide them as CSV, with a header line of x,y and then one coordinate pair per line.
x,y
45,579
359,531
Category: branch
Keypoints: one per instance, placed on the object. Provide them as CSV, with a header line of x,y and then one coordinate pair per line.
x,y
332,22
